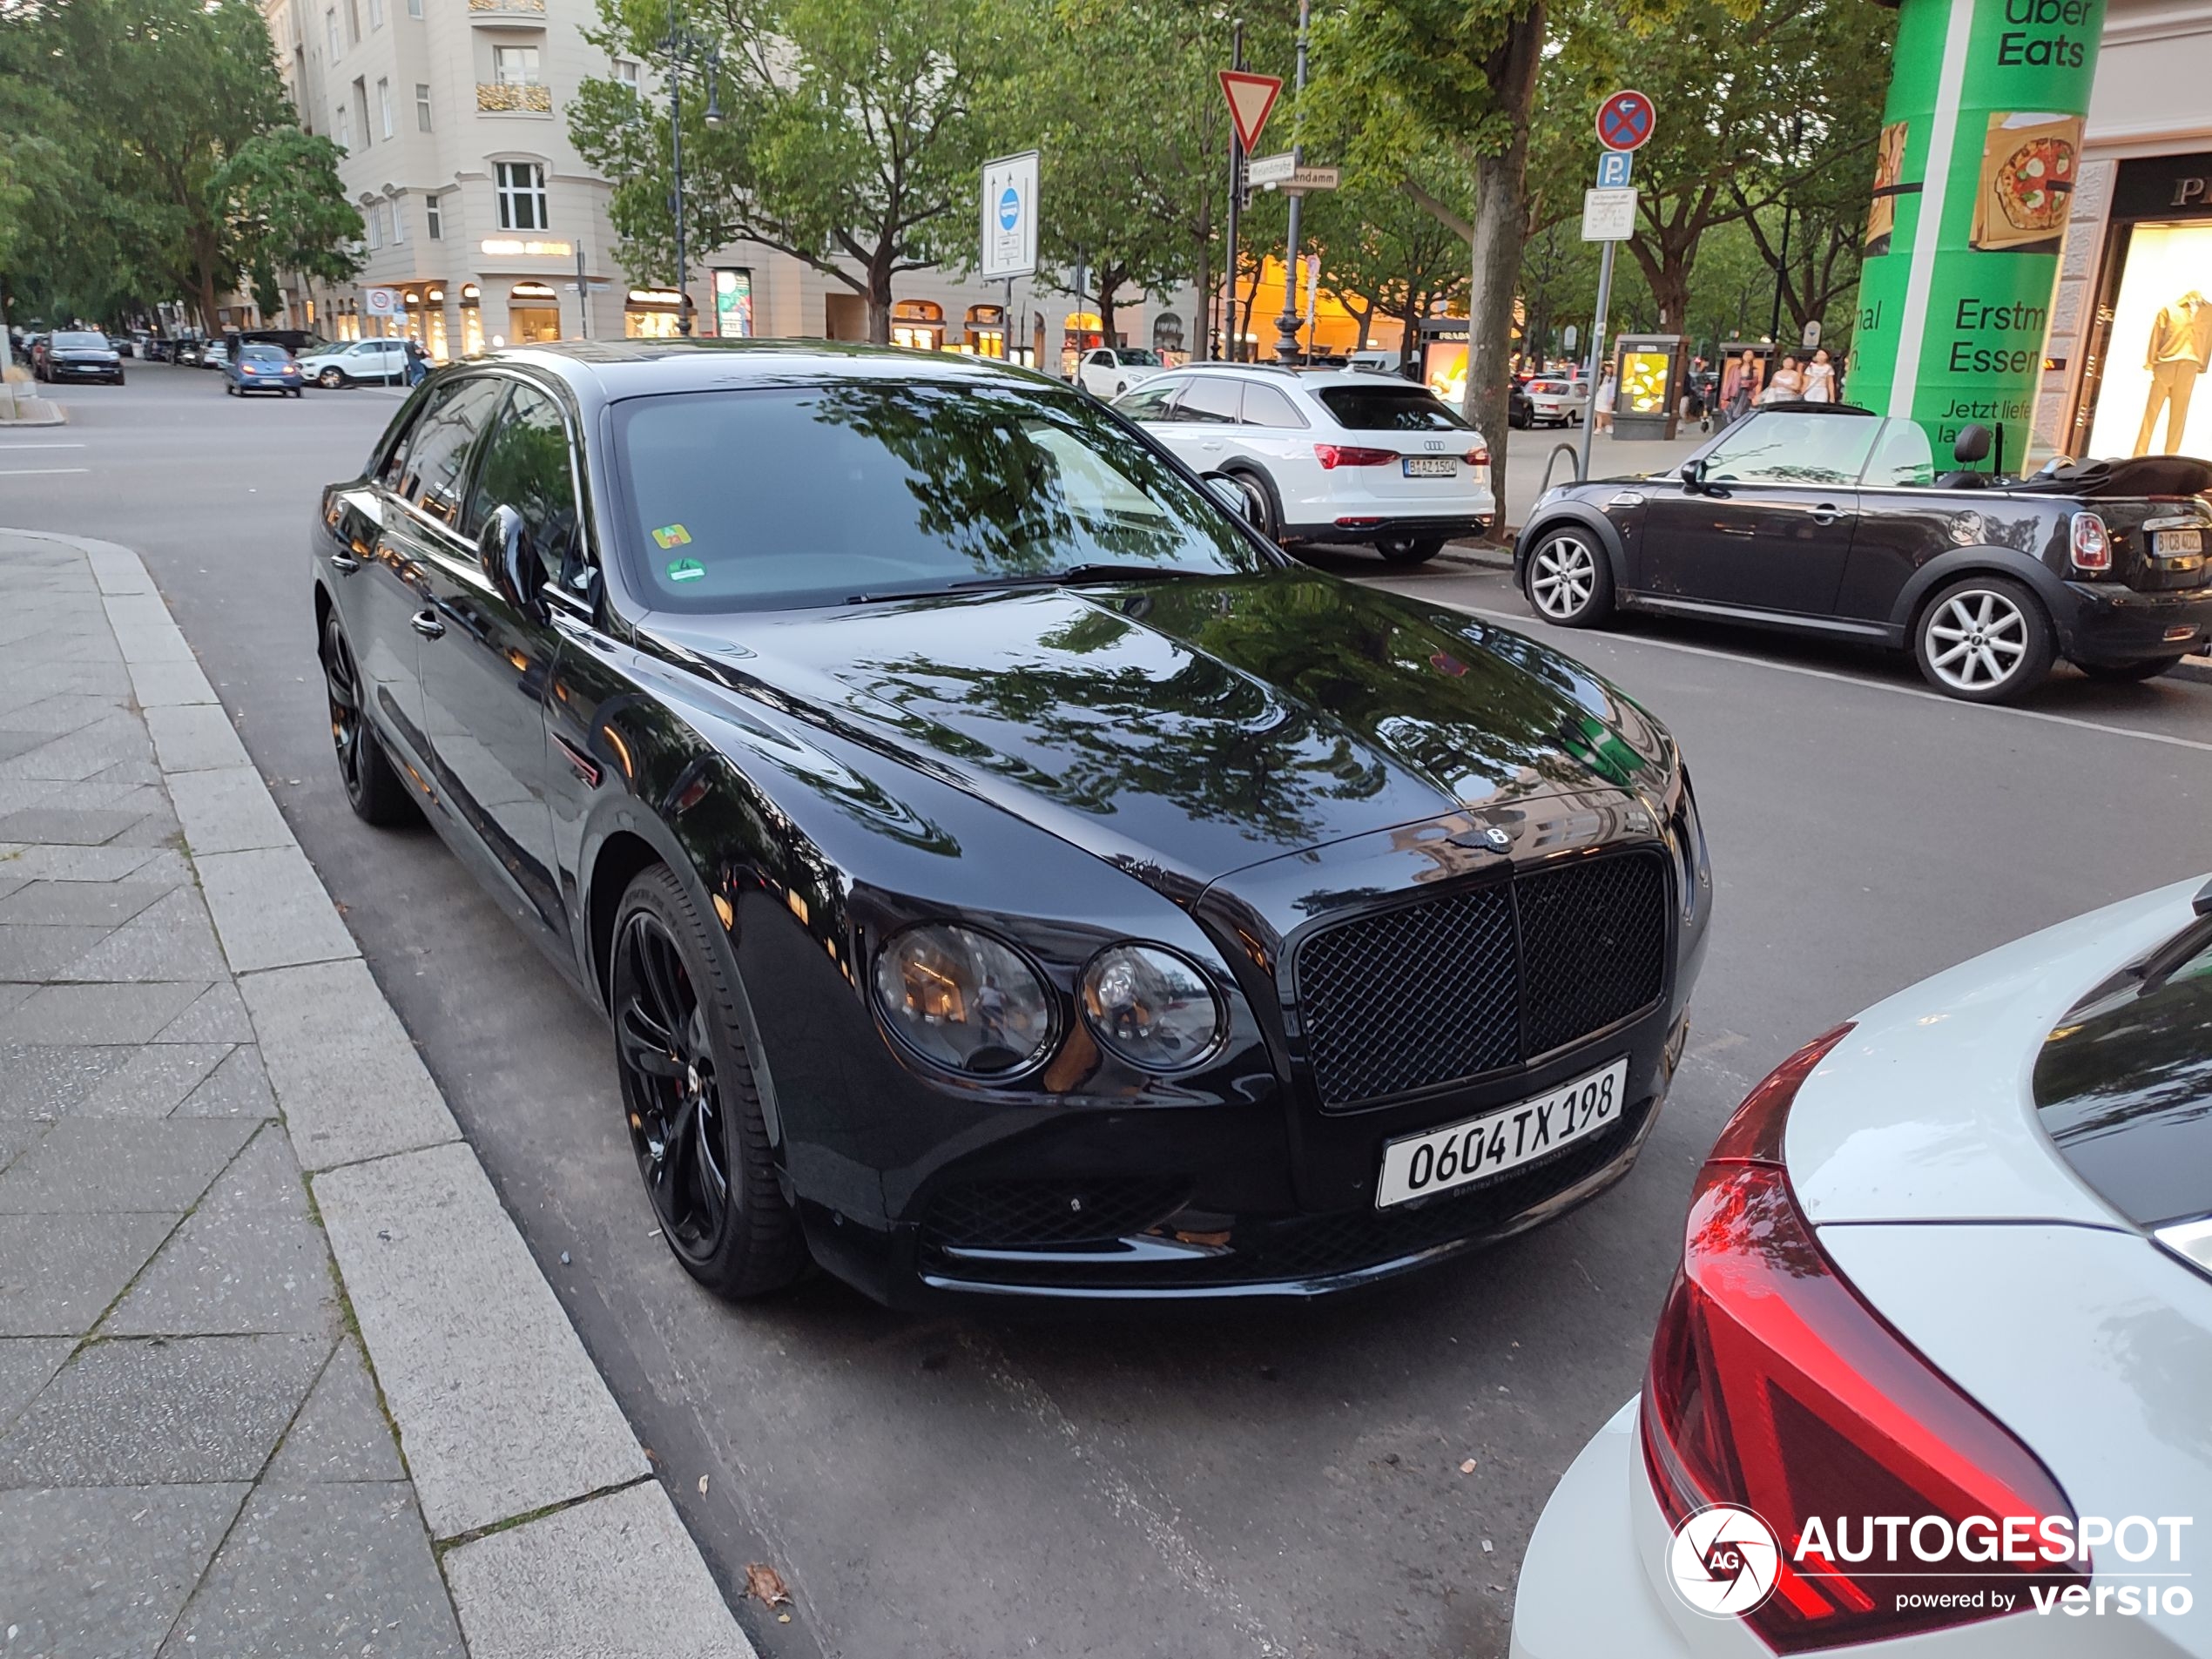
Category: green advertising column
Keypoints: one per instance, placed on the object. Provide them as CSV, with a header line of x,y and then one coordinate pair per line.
x,y
1981,143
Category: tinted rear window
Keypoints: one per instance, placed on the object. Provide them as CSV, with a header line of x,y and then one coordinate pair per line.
x,y
803,496
1389,408
264,354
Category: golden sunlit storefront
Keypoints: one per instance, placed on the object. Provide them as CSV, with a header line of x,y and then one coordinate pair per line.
x,y
652,314
919,325
533,314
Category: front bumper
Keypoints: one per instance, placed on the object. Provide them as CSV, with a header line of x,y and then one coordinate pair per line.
x,y
61,371
2106,623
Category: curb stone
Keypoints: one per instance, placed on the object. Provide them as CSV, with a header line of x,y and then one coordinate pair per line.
x,y
516,1447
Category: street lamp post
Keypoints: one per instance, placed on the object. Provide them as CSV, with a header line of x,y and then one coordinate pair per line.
x,y
1286,347
682,47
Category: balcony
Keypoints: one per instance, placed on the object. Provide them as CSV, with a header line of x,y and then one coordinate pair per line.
x,y
513,97
492,10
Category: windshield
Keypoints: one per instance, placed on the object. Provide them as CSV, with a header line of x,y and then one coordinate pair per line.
x,y
816,495
1137,355
1390,408
80,343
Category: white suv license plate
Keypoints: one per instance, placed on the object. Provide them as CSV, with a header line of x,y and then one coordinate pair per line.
x,y
1481,1147
2167,544
1432,465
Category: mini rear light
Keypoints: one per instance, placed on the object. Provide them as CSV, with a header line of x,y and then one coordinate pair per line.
x,y
2092,544
1774,1387
1332,455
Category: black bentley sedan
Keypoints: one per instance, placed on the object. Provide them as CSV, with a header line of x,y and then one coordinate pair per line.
x,y
1830,520
1003,871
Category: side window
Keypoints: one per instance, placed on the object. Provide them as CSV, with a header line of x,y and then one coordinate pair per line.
x,y
526,467
1266,406
396,441
1904,459
1785,447
438,459
1149,401
1210,398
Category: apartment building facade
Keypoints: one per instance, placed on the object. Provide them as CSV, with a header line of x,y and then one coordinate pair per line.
x,y
484,228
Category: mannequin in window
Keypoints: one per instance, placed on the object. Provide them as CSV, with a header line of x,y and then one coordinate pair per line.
x,y
2181,345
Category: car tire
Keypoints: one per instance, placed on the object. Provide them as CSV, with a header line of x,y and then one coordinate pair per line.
x,y
1568,578
229,390
373,787
1983,639
689,1097
331,379
1409,549
1266,517
2149,669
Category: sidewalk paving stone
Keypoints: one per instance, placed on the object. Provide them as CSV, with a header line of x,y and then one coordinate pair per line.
x,y
45,1080
94,1166
60,1273
238,1087
271,909
156,1080
27,1364
342,1433
194,737
227,810
96,1014
217,1016
171,939
97,1573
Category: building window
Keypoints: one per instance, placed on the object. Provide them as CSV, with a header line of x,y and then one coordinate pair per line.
x,y
472,320
434,219
626,75
414,8
514,65
345,129
399,221
375,14
374,219
330,20
361,102
918,323
521,194
352,23
422,106
384,106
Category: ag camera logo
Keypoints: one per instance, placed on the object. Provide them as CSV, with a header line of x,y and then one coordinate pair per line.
x,y
1723,1562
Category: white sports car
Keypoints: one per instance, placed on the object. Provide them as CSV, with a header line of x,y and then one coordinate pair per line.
x,y
1935,1377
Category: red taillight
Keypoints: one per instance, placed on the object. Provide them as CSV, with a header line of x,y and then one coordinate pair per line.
x,y
1774,1387
1332,455
2092,543
1478,456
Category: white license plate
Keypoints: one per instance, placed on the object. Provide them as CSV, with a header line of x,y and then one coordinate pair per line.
x,y
1481,1147
2166,544
1431,467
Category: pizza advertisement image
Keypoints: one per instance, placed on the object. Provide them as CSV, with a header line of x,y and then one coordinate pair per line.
x,y
1889,175
2028,166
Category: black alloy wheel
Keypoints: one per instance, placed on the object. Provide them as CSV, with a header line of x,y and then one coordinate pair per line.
x,y
688,1094
1409,549
2149,669
374,788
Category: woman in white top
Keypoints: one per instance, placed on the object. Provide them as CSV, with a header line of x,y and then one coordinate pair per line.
x,y
1786,384
1820,378
1601,420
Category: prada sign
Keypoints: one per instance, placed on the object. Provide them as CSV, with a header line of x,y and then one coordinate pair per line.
x,y
2163,187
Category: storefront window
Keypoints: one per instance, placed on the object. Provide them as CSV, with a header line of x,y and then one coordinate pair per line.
x,y
472,321
533,313
1167,338
433,324
1079,334
2158,346
733,303
985,331
651,314
919,325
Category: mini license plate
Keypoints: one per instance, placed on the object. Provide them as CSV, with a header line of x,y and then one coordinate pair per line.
x,y
2172,544
1431,467
1477,1148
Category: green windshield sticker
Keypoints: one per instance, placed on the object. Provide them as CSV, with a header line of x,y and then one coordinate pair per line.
x,y
685,569
672,536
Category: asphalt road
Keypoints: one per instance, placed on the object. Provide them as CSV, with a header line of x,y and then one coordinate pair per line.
x,y
1255,1481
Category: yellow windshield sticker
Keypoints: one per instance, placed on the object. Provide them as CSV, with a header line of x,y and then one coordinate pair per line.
x,y
672,536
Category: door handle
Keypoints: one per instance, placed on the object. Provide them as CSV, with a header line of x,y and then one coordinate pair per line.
x,y
1826,513
345,562
425,622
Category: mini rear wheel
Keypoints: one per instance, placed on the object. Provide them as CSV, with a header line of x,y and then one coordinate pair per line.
x,y
688,1096
1568,579
1983,639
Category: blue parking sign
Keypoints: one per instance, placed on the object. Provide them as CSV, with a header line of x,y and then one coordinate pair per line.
x,y
1613,168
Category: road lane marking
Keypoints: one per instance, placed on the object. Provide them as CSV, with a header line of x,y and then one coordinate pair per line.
x,y
38,472
11,448
1525,622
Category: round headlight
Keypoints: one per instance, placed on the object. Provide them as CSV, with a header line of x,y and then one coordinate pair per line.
x,y
1151,1007
963,1000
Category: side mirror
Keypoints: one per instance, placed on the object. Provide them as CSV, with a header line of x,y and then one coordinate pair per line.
x,y
1693,474
1971,444
1230,493
503,546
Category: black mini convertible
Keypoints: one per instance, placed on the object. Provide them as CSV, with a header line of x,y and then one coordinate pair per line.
x,y
1830,520
1003,871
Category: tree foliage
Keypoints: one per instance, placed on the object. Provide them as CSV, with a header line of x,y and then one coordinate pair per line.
x,y
148,151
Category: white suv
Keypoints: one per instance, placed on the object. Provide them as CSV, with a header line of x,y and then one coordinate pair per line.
x,y
1328,454
350,362
1108,371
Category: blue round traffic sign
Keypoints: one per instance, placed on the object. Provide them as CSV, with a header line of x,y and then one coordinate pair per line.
x,y
1009,208
1624,121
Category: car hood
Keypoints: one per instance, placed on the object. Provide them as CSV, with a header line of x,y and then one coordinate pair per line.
x,y
1185,728
1926,1111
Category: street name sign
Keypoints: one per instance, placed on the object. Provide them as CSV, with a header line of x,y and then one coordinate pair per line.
x,y
1610,215
1614,168
1624,120
1282,172
1009,207
1251,100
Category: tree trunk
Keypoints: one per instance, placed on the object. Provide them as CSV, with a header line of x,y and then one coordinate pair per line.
x,y
880,298
1500,216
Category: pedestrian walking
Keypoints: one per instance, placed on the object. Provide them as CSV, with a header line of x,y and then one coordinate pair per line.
x,y
1739,387
1602,414
1820,378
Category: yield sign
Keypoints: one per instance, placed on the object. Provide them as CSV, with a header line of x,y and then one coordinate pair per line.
x,y
1624,121
1251,98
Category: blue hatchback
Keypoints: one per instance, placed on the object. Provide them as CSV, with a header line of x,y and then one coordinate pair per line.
x,y
262,368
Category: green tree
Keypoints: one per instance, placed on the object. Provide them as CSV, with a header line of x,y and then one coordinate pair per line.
x,y
1382,255
285,209
851,133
